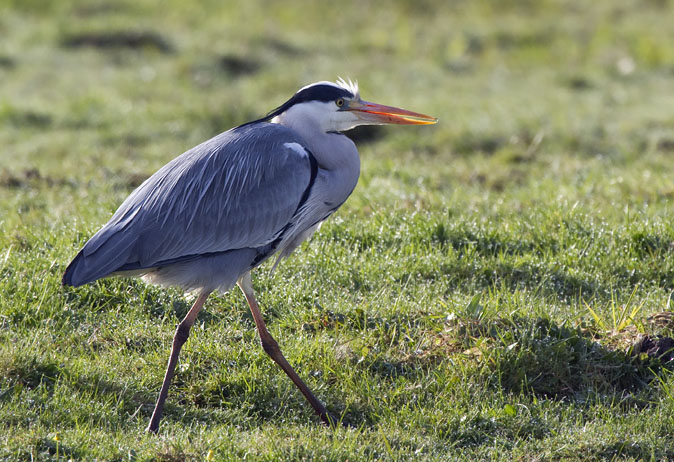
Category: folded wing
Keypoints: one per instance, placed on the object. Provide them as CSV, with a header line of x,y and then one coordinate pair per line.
x,y
236,190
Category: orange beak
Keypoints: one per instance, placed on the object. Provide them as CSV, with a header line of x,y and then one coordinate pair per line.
x,y
378,114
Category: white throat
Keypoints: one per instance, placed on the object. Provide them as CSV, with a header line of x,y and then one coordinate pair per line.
x,y
320,124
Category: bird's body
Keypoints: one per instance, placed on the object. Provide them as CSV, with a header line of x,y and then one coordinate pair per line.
x,y
208,217
219,209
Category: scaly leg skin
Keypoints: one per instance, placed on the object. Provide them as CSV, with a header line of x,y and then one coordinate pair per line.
x,y
272,349
180,337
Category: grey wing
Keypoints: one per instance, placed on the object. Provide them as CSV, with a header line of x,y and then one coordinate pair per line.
x,y
237,190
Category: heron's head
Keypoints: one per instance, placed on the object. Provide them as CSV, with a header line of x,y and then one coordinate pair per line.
x,y
336,107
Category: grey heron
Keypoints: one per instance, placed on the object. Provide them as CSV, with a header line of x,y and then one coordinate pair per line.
x,y
207,218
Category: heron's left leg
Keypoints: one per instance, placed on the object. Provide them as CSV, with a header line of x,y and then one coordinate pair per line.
x,y
272,349
180,337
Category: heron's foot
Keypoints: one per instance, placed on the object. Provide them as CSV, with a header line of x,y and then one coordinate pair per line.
x,y
153,425
331,421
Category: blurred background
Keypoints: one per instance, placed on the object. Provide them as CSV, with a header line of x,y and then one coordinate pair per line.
x,y
96,88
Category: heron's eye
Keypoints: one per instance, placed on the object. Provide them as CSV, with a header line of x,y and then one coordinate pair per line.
x,y
340,102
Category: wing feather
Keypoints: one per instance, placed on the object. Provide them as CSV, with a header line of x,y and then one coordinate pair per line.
x,y
236,190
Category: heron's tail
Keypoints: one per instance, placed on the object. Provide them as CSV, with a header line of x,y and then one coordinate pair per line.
x,y
72,275
77,273
102,255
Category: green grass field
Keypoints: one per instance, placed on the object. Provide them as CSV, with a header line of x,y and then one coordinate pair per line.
x,y
498,287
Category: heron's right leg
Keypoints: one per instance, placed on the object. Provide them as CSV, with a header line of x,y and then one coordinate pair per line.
x,y
179,338
271,347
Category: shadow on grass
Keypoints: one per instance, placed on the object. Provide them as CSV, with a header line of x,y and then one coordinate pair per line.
x,y
536,356
524,356
252,403
24,118
516,275
33,379
618,450
49,448
25,371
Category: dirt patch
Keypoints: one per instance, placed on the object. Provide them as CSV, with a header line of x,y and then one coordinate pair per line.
x,y
30,177
659,347
119,39
238,65
6,62
666,145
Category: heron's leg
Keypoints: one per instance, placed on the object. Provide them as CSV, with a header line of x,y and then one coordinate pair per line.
x,y
179,338
272,349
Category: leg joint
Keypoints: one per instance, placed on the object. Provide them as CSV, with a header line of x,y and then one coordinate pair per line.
x,y
270,346
182,333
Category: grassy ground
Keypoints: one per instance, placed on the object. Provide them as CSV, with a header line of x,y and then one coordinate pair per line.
x,y
493,290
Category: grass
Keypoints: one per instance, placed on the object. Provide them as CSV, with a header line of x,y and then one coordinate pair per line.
x,y
485,294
